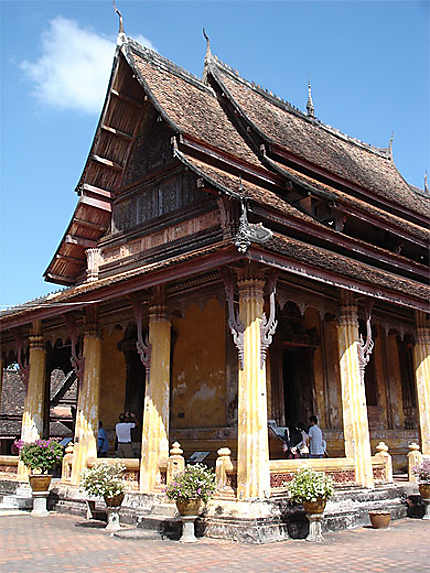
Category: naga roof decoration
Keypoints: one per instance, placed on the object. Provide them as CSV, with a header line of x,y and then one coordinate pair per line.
x,y
248,145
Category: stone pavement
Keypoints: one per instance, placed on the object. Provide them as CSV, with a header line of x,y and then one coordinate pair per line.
x,y
64,543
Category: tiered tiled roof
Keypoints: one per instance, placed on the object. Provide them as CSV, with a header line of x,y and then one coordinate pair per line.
x,y
219,126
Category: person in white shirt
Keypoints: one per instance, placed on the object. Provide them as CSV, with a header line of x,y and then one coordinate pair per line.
x,y
316,442
123,436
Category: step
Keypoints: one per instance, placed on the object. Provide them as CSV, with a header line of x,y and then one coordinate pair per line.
x,y
16,502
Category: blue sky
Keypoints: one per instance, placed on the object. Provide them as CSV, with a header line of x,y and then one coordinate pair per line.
x,y
368,62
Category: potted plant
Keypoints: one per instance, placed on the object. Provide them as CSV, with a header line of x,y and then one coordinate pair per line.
x,y
422,471
192,488
311,489
104,480
380,519
40,457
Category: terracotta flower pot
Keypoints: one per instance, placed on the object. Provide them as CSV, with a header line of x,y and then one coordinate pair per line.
x,y
317,506
380,519
192,506
39,482
424,489
115,500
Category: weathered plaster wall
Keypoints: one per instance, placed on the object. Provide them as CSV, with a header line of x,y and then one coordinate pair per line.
x,y
112,391
198,396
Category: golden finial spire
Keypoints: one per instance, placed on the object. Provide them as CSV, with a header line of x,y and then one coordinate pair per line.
x,y
310,105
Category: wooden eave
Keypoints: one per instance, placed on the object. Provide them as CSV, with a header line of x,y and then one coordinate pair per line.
x,y
114,287
403,212
345,206
259,254
100,180
335,240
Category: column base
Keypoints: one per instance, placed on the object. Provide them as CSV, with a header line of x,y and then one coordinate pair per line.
x,y
39,504
315,534
113,523
188,529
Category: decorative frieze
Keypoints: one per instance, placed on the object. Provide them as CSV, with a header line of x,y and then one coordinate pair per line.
x,y
167,235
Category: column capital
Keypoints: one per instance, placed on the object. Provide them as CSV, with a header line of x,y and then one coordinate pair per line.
x,y
251,281
423,327
157,305
36,342
91,326
348,310
158,312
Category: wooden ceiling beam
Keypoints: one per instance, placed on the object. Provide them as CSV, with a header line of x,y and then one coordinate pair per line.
x,y
106,162
89,224
96,203
117,132
86,187
128,99
80,241
69,258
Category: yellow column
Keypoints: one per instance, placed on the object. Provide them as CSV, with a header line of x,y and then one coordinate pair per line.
x,y
422,376
355,424
32,418
88,404
253,472
155,429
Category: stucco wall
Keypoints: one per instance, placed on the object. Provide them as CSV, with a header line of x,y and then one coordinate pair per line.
x,y
198,371
112,391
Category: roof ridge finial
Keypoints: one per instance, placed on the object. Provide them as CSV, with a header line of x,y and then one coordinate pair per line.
x,y
426,184
390,145
208,56
208,45
310,104
121,38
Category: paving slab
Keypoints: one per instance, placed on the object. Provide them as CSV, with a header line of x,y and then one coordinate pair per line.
x,y
69,543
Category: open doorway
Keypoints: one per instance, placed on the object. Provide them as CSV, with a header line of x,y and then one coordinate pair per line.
x,y
298,384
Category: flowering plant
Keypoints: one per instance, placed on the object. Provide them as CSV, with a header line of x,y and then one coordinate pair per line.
x,y
195,481
422,471
41,455
104,480
309,485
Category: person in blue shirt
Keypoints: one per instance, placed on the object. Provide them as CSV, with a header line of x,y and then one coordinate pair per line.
x,y
102,442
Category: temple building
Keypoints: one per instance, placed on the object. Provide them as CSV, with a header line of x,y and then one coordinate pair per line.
x,y
233,266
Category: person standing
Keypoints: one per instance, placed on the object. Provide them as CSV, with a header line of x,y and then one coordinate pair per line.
x,y
123,436
316,442
102,442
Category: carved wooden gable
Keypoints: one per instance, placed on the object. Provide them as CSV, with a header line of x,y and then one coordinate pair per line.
x,y
150,201
152,150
